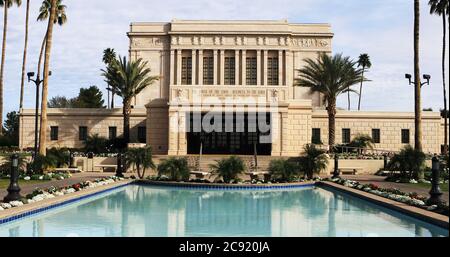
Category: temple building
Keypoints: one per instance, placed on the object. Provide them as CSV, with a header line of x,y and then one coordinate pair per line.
x,y
228,87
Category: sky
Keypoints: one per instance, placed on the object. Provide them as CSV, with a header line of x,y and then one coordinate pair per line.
x,y
381,28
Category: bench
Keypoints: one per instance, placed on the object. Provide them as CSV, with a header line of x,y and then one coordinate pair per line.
x,y
256,174
106,166
200,174
350,170
67,170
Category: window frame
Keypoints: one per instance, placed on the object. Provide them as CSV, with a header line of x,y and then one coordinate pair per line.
x,y
405,138
251,71
345,134
230,71
82,135
112,136
186,70
273,71
144,135
376,135
54,133
314,139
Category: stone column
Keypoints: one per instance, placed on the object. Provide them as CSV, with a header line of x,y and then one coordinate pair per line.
x,y
258,68
194,67
200,67
265,67
280,68
173,133
244,68
236,67
222,67
182,140
179,56
172,67
215,67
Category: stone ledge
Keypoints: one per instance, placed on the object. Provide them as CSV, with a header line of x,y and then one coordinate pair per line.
x,y
421,214
221,186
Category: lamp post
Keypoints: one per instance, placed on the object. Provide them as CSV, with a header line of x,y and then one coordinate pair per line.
x,y
38,82
336,166
119,170
385,161
14,189
435,193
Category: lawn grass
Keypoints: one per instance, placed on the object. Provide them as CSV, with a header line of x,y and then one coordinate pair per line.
x,y
444,187
4,183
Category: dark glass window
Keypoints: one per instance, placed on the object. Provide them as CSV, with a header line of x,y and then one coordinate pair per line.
x,y
186,70
272,71
142,135
112,133
208,70
251,71
376,136
345,136
230,75
316,136
405,136
54,133
82,133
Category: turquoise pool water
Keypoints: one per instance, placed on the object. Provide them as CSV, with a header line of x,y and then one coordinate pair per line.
x,y
159,211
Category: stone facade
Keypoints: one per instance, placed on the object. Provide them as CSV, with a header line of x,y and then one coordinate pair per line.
x,y
207,66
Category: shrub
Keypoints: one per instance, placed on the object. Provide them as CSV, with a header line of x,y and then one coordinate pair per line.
x,y
362,142
95,144
409,162
283,170
140,158
229,168
313,161
175,168
41,163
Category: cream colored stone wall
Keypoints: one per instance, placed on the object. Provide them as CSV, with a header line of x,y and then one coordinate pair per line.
x,y
389,123
68,121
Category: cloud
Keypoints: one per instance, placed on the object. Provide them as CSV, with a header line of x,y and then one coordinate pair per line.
x,y
381,28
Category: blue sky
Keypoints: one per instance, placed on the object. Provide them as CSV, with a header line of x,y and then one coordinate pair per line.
x,y
381,28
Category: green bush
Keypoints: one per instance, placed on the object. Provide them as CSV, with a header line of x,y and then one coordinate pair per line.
x,y
313,161
283,170
141,158
410,163
175,168
229,168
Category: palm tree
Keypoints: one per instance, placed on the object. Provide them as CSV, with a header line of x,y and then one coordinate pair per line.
x,y
109,55
330,76
60,19
127,79
313,161
48,48
24,61
6,4
418,84
283,170
441,8
140,158
364,62
229,169
176,168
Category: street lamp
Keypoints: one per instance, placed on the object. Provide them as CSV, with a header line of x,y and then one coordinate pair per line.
x,y
425,77
14,189
38,82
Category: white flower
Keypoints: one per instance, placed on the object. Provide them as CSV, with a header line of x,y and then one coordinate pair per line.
x,y
1,208
58,193
27,178
38,198
432,207
5,205
41,178
16,203
413,181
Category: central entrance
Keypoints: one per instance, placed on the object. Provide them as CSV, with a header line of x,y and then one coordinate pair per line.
x,y
229,133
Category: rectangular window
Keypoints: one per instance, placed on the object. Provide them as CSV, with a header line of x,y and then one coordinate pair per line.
x,y
230,75
345,136
186,70
112,133
142,135
405,136
82,133
376,136
54,133
316,136
251,71
208,70
272,71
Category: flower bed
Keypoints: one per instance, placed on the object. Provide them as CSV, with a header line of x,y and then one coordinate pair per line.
x,y
47,177
52,192
412,199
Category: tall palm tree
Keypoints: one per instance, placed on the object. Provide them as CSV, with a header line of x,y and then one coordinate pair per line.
x,y
48,48
109,55
330,76
24,60
441,8
60,19
127,79
418,84
364,62
6,4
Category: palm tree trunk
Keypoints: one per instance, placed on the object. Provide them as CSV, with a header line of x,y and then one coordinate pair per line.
x,y
48,48
348,95
112,100
41,56
417,91
25,48
5,28
444,45
331,124
360,90
126,120
108,91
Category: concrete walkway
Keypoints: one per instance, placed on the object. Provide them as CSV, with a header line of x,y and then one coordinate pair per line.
x,y
379,181
76,178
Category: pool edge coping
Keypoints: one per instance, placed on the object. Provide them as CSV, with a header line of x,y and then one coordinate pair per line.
x,y
418,213
225,186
